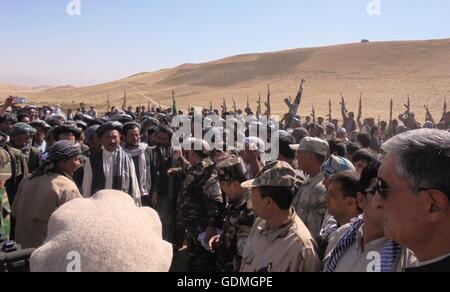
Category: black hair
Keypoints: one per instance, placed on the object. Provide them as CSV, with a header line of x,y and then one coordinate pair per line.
x,y
152,131
129,126
232,173
284,146
369,173
364,155
337,148
282,196
166,130
363,139
352,148
21,116
348,182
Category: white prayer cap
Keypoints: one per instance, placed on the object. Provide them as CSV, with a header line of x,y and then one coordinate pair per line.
x,y
106,233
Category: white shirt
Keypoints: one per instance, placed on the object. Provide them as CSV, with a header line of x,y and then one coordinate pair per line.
x,y
360,259
42,147
108,168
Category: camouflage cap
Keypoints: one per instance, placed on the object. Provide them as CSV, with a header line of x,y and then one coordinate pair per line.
x,y
313,145
231,168
275,174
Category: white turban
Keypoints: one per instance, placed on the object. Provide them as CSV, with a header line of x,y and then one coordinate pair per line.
x,y
106,233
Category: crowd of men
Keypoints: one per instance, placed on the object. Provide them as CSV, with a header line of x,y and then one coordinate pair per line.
x,y
341,196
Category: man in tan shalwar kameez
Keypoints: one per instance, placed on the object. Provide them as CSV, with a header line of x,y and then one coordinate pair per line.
x,y
42,192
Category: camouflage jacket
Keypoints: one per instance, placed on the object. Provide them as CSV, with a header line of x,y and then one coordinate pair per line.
x,y
200,203
309,204
238,221
5,212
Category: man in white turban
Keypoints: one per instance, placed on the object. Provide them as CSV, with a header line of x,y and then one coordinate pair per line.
x,y
105,233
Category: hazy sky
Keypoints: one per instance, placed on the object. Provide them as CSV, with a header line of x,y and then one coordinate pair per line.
x,y
41,44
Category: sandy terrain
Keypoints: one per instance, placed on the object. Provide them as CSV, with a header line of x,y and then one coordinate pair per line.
x,y
381,70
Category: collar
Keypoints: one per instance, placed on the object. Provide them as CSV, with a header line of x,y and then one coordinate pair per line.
x,y
106,152
279,232
315,180
238,204
135,151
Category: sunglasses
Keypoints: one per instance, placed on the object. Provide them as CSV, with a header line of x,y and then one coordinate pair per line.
x,y
383,189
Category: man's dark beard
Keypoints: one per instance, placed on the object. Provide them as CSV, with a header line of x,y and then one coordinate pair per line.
x,y
133,146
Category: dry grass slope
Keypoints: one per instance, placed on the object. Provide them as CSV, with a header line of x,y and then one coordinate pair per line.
x,y
381,70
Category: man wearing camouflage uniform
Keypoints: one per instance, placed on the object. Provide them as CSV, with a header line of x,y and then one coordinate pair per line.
x,y
238,218
278,241
310,199
200,206
5,210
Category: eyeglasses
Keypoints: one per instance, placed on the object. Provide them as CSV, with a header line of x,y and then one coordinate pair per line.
x,y
372,191
383,189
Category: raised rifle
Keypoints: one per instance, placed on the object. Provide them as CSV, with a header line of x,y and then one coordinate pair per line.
x,y
313,114
294,106
234,106
108,102
224,107
408,108
124,105
330,111
258,109
391,111
174,104
391,115
344,109
360,106
268,106
445,105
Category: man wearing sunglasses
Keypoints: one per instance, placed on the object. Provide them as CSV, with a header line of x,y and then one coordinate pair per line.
x,y
361,246
414,184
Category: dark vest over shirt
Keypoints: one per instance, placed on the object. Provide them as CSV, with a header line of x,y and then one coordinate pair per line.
x,y
99,179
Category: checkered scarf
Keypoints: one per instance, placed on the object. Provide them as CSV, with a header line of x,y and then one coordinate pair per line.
x,y
389,253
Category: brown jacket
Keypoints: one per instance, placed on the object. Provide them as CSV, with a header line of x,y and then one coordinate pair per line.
x,y
290,248
36,200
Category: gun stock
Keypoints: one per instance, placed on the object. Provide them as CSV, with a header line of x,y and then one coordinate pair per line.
x,y
445,106
268,105
174,104
330,111
258,109
314,114
293,107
